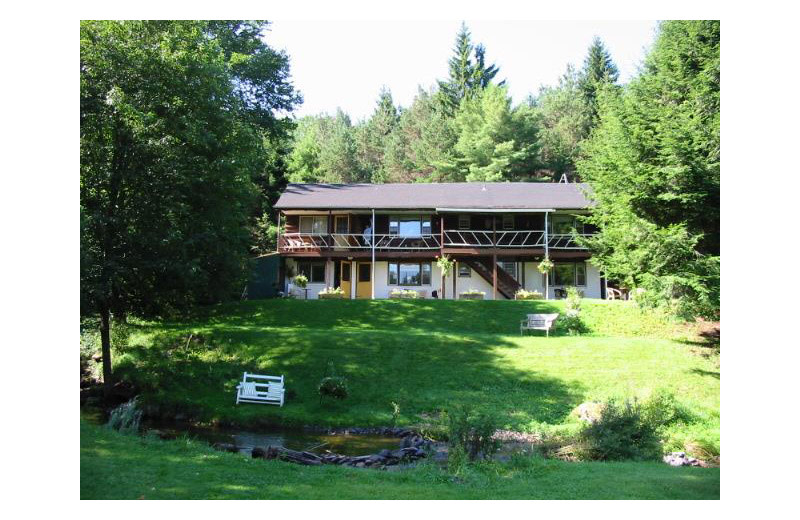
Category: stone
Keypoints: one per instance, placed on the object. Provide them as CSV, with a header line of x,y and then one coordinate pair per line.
x,y
589,412
385,453
258,453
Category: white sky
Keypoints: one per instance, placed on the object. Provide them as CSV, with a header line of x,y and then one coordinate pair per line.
x,y
345,64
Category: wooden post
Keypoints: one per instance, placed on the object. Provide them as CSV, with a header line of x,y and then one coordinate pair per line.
x,y
441,252
278,241
547,256
455,275
494,276
494,257
372,267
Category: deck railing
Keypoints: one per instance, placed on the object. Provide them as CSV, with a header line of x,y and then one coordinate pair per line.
x,y
299,242
531,238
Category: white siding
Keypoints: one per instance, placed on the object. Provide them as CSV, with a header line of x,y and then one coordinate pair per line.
x,y
534,281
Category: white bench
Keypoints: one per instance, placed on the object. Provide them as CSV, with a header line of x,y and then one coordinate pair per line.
x,y
538,322
256,388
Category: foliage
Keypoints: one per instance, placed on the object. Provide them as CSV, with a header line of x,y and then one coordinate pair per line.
x,y
574,299
404,293
332,290
522,294
469,292
126,417
494,141
325,151
175,118
623,432
545,266
565,120
466,77
472,432
446,264
333,385
301,281
599,71
653,162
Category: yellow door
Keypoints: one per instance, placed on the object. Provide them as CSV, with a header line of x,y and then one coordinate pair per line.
x,y
364,280
344,278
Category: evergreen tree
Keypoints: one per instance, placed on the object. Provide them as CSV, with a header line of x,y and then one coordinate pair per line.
x,y
373,136
466,77
598,70
565,121
653,162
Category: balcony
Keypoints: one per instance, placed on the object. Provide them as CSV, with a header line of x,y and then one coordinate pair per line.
x,y
311,242
533,239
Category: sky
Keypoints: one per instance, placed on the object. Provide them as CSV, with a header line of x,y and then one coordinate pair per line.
x,y
345,64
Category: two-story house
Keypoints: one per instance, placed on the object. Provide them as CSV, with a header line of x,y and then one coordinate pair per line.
x,y
371,238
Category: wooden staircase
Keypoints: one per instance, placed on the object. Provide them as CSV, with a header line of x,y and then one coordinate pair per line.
x,y
506,285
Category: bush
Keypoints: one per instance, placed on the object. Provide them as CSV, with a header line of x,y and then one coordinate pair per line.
x,y
332,290
333,385
522,294
626,430
404,294
574,299
572,321
472,432
126,417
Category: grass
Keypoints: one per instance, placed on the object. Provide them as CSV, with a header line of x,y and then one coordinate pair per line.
x,y
423,355
117,466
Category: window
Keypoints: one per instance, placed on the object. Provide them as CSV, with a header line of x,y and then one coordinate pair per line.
x,y
464,271
412,226
314,271
508,222
564,224
569,274
463,221
317,225
509,267
346,271
409,273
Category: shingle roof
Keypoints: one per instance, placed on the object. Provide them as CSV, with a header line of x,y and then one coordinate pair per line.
x,y
472,195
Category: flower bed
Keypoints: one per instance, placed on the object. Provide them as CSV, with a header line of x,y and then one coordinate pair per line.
x,y
403,294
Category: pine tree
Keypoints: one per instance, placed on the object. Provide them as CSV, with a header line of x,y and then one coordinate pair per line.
x,y
466,77
598,70
372,137
654,165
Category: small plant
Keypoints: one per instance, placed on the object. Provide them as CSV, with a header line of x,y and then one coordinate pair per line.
x,y
333,385
126,417
301,281
472,294
395,413
545,266
332,290
404,294
574,299
472,432
522,294
625,430
572,321
445,264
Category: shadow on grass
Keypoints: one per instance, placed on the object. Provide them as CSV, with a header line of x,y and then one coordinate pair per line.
x,y
708,373
423,372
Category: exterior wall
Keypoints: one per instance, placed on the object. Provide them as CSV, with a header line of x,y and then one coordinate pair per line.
x,y
534,281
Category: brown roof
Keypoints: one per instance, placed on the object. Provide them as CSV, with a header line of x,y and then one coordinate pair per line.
x,y
467,195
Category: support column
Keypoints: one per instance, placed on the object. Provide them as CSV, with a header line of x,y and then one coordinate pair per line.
x,y
546,255
372,267
278,239
455,275
494,276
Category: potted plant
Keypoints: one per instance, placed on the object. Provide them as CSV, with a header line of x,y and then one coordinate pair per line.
x,y
471,294
331,293
302,282
544,267
403,294
522,294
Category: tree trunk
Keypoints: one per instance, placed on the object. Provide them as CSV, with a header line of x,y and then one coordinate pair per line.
x,y
105,340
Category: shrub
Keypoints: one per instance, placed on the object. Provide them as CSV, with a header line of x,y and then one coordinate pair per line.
x,y
572,321
624,430
472,294
472,432
573,299
332,290
333,385
522,294
126,417
404,294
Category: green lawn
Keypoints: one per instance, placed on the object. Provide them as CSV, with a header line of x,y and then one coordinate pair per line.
x,y
423,355
116,466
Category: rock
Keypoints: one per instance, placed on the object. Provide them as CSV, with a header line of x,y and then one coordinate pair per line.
x,y
97,358
589,411
679,458
258,453
385,453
